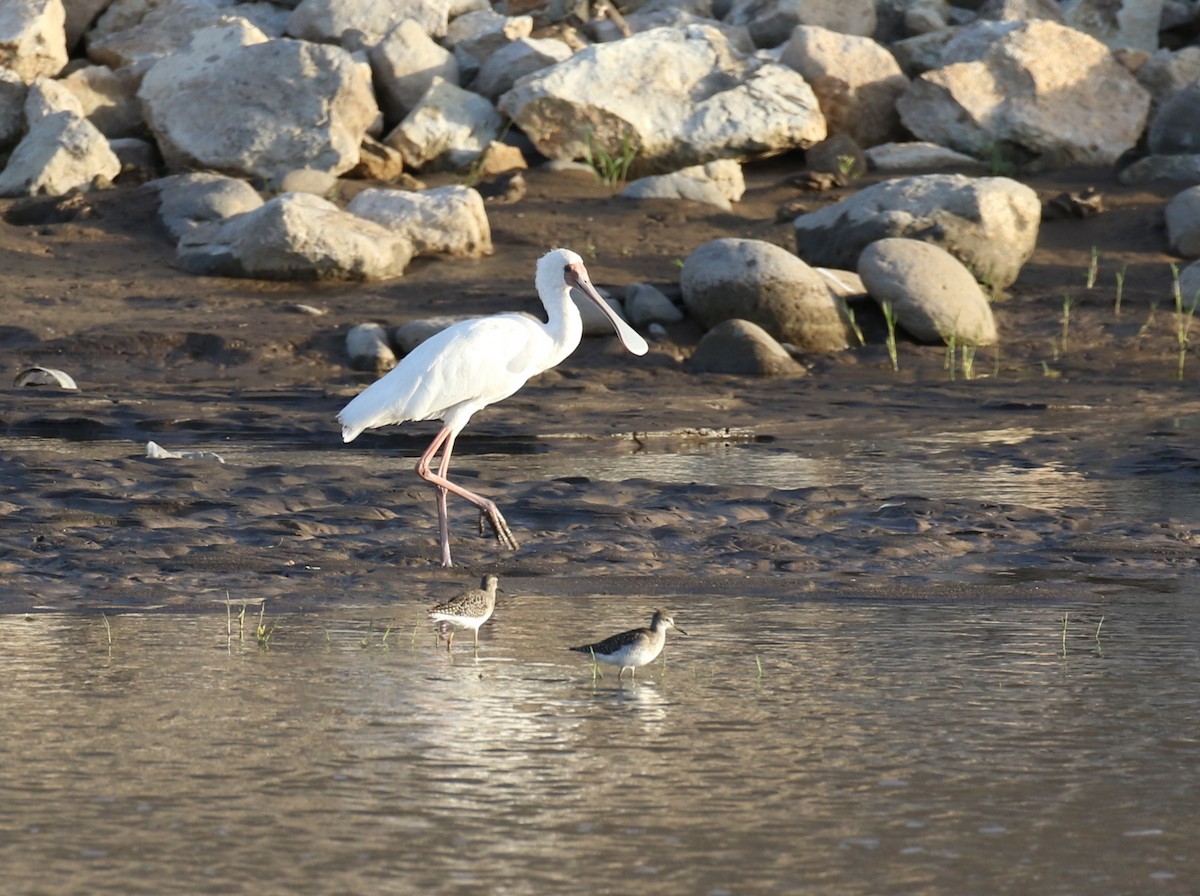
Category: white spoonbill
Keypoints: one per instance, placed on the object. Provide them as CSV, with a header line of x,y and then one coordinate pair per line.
x,y
472,364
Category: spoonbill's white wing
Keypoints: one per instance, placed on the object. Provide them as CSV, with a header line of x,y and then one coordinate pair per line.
x,y
452,374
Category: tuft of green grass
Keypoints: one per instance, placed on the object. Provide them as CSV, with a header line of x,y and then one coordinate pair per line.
x,y
1120,289
758,663
1068,301
262,635
1093,267
1183,320
596,673
848,313
889,317
968,359
609,167
1066,616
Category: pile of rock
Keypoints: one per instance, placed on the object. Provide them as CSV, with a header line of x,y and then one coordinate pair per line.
x,y
283,98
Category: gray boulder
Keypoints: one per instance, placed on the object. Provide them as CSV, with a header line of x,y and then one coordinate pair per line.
x,y
189,201
647,305
757,281
405,64
933,296
742,348
1183,223
367,346
990,224
1121,24
771,21
515,60
1175,129
329,21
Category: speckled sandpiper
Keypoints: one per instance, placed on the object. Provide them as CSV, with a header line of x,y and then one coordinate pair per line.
x,y
471,609
633,648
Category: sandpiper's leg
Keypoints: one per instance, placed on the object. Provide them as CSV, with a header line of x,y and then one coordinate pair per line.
x,y
450,640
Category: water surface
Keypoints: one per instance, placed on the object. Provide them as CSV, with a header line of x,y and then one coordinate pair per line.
x,y
883,747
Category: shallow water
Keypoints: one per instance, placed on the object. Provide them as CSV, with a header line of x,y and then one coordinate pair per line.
x,y
884,747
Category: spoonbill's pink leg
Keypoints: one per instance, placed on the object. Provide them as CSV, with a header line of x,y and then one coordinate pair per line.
x,y
444,440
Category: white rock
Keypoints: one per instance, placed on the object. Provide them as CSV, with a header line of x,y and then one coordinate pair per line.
x,y
33,40
595,322
405,64
409,335
216,104
140,33
717,104
477,35
189,201
932,295
61,152
108,99
1055,91
47,97
296,236
367,346
718,183
758,281
448,128
521,57
1131,24
989,223
448,220
917,155
771,21
856,80
327,21
647,305
1183,223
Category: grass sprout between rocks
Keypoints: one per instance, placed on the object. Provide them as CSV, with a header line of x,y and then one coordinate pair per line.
x,y
609,168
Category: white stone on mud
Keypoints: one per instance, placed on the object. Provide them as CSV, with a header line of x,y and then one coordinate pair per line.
x,y
296,236
60,153
449,220
646,304
915,155
933,296
188,201
718,183
47,97
108,99
367,346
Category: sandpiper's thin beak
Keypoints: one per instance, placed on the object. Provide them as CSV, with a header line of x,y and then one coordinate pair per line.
x,y
577,278
682,632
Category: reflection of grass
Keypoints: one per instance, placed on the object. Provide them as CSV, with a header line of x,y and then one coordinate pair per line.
x,y
1093,267
610,168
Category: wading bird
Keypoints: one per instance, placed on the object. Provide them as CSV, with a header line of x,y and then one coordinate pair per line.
x,y
633,648
472,364
471,609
